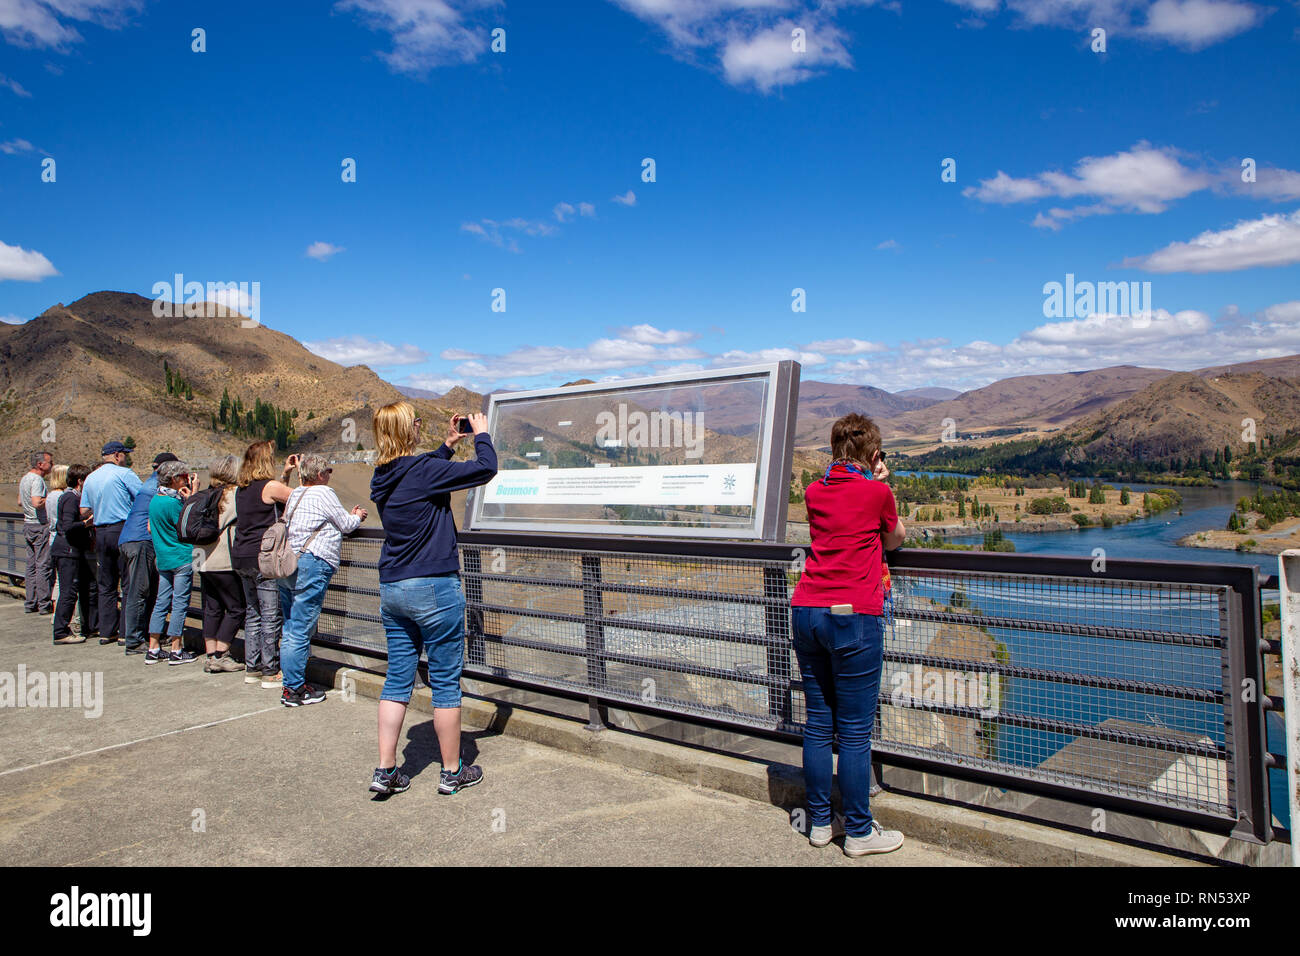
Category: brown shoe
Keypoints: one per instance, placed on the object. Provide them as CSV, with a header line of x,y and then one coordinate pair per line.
x,y
70,639
224,665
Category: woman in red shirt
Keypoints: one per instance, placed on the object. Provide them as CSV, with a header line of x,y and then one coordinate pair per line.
x,y
838,630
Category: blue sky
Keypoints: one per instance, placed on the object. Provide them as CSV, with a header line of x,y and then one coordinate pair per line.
x,y
775,169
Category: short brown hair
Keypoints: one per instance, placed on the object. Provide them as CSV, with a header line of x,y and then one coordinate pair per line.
x,y
856,438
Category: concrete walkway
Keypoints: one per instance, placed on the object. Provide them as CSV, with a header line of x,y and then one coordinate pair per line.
x,y
189,768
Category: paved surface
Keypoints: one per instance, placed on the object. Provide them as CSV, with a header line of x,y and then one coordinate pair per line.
x,y
184,767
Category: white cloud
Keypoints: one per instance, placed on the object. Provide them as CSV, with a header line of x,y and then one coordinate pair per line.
x,y
844,346
1195,24
427,33
458,355
1279,185
359,350
47,23
564,211
15,146
498,233
14,85
24,265
602,355
441,384
888,244
752,41
12,319
649,335
320,251
1268,241
627,199
1190,24
1114,330
760,356
767,58
1141,179
232,300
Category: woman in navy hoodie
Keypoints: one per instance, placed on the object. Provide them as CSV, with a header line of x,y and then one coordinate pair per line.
x,y
422,604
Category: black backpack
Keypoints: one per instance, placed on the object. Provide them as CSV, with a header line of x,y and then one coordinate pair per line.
x,y
200,513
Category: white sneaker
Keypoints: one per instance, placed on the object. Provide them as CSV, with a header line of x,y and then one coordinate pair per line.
x,y
821,836
879,840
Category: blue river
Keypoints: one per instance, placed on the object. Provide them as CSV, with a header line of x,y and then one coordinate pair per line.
x,y
1152,539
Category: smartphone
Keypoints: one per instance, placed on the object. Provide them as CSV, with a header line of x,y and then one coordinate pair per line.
x,y
463,426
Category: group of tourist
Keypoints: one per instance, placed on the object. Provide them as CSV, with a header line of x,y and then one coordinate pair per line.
x,y
115,545
106,527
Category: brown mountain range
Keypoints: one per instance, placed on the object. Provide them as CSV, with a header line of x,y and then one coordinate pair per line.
x,y
94,368
92,371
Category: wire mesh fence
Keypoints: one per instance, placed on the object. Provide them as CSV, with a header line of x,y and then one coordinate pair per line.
x,y
1096,686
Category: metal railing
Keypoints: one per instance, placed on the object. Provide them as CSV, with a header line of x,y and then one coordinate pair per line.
x,y
1126,686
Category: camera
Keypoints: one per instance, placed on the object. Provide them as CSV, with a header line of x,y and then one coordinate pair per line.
x,y
463,426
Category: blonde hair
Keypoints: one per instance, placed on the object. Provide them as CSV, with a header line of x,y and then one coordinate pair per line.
x,y
59,478
259,463
394,431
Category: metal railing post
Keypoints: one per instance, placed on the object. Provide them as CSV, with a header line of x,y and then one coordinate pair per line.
x,y
1288,576
476,652
777,622
593,609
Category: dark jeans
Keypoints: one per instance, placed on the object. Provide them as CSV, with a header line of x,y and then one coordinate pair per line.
x,y
140,590
75,583
261,621
223,605
840,659
110,574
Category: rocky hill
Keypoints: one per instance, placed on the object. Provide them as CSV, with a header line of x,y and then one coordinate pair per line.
x,y
93,370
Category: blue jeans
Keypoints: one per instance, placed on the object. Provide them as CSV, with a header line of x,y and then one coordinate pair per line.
x,y
426,613
840,657
261,621
302,595
174,595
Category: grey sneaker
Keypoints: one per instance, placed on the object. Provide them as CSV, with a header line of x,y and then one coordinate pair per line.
x,y
224,665
389,783
879,840
252,675
271,681
466,776
819,835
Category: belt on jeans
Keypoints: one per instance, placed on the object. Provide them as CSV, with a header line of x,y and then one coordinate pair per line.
x,y
112,524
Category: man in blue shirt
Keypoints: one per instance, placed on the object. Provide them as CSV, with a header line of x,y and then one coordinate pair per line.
x,y
108,495
139,573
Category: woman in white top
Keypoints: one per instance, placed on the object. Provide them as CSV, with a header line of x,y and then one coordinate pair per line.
x,y
223,593
317,523
58,485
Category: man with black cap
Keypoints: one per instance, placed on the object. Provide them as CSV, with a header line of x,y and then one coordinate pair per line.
x,y
108,495
139,573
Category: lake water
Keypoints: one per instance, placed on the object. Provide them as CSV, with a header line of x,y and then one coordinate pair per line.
x,y
1152,539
